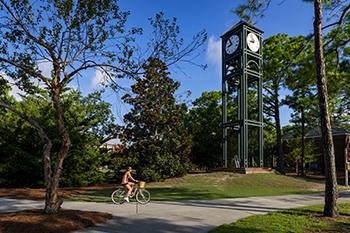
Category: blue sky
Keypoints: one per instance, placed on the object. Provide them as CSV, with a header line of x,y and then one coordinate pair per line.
x,y
293,17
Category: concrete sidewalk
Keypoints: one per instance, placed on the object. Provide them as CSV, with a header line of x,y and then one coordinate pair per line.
x,y
178,216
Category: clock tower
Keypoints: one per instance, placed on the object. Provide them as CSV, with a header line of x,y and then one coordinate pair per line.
x,y
242,126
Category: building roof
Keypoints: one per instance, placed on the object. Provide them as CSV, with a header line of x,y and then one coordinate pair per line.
x,y
336,131
316,133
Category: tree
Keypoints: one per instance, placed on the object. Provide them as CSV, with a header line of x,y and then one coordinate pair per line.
x,y
330,208
89,120
294,155
279,59
256,8
203,123
338,73
72,37
302,100
159,145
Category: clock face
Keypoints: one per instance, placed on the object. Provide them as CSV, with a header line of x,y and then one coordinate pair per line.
x,y
253,42
232,44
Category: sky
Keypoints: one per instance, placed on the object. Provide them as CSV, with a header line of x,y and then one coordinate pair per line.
x,y
293,17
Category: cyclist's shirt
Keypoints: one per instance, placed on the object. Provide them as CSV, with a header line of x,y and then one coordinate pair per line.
x,y
125,179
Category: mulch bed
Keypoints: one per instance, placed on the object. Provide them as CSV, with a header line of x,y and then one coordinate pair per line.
x,y
35,221
23,193
39,193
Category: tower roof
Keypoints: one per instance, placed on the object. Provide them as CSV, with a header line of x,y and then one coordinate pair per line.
x,y
240,23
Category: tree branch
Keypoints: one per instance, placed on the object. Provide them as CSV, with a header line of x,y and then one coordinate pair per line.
x,y
25,29
341,19
94,65
33,122
27,70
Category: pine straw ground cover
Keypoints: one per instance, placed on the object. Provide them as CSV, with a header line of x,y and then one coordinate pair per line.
x,y
39,193
34,221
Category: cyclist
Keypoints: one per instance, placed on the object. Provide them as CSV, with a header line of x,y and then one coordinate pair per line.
x,y
127,183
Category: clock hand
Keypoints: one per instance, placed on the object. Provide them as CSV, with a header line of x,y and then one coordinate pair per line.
x,y
229,45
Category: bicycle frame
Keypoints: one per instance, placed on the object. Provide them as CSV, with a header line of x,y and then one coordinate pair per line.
x,y
134,191
142,195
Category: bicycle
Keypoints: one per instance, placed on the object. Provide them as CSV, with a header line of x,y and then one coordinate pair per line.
x,y
142,195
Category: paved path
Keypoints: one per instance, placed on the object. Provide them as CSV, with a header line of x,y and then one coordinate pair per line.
x,y
178,216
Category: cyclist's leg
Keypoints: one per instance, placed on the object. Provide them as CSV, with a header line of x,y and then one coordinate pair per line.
x,y
129,187
126,198
132,188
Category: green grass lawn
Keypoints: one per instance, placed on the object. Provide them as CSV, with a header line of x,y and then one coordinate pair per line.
x,y
307,219
216,185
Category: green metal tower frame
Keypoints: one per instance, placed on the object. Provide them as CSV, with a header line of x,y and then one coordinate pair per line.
x,y
241,66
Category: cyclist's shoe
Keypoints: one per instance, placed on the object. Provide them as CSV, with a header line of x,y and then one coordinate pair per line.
x,y
126,199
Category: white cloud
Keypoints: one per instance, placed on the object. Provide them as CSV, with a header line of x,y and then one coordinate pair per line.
x,y
99,79
46,68
15,91
213,53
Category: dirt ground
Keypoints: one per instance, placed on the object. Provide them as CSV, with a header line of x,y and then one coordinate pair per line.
x,y
34,221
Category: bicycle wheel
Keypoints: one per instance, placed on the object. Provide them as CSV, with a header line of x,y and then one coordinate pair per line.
x,y
143,196
118,196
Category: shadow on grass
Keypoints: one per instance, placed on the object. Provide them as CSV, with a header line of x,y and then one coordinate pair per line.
x,y
158,194
235,229
318,178
315,179
98,195
184,193
172,194
317,211
341,226
302,212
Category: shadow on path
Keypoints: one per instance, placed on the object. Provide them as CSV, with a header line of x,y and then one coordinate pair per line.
x,y
13,205
142,225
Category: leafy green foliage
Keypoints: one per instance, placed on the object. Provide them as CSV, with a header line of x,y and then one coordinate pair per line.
x,y
88,119
338,72
280,52
293,157
158,142
204,125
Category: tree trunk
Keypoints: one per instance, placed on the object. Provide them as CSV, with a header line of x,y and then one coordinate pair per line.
x,y
53,202
280,155
302,160
330,208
